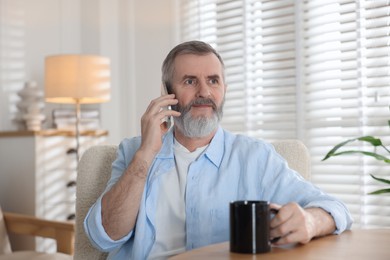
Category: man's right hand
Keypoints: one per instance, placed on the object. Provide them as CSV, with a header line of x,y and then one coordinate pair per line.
x,y
153,126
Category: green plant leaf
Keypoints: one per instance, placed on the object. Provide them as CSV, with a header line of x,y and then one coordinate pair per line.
x,y
375,155
372,140
369,139
334,149
380,191
380,179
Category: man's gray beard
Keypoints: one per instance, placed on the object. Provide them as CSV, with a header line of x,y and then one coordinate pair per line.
x,y
200,126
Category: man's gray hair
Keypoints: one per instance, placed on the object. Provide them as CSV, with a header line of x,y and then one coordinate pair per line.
x,y
190,47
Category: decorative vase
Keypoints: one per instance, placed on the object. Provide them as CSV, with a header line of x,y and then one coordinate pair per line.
x,y
31,106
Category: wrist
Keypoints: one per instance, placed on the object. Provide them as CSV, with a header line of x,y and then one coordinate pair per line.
x,y
144,156
322,221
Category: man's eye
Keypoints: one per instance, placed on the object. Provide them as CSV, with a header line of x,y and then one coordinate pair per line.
x,y
190,81
213,81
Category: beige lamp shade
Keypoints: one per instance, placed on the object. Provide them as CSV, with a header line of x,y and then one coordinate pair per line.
x,y
82,79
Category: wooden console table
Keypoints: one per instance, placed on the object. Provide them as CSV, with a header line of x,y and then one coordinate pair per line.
x,y
359,244
38,176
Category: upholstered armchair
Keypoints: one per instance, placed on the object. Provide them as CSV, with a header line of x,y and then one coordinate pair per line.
x,y
95,170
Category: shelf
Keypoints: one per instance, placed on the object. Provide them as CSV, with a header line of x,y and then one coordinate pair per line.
x,y
53,132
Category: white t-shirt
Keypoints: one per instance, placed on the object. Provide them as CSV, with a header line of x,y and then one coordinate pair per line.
x,y
171,208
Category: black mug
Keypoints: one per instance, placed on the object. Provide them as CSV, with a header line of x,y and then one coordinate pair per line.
x,y
250,226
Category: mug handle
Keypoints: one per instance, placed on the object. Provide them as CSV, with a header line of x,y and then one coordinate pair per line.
x,y
275,239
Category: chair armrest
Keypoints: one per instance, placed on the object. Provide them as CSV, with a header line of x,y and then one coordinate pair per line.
x,y
61,231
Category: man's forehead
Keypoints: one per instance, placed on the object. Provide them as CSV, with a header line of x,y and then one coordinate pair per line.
x,y
191,64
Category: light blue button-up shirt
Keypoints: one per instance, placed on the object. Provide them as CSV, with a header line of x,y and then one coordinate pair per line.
x,y
233,167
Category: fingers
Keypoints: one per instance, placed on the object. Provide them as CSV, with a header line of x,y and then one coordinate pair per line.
x,y
157,104
155,112
293,237
274,206
292,224
152,123
284,214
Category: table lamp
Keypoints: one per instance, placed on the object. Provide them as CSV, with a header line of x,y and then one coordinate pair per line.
x,y
77,79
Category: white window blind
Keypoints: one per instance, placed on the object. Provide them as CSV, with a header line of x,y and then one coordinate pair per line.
x,y
256,40
314,70
346,48
271,70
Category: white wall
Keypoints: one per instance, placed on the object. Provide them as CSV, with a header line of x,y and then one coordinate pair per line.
x,y
135,34
143,33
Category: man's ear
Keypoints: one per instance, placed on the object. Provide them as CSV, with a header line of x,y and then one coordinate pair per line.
x,y
168,87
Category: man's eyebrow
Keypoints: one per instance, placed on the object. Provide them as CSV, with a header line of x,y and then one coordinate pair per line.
x,y
189,76
214,76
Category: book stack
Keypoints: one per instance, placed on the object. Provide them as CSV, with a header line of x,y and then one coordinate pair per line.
x,y
65,119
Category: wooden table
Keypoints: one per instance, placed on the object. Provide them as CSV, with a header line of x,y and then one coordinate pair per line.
x,y
359,244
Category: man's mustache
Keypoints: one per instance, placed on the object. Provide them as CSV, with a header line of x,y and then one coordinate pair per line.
x,y
198,101
204,101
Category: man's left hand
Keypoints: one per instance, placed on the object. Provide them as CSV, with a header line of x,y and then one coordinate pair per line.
x,y
293,224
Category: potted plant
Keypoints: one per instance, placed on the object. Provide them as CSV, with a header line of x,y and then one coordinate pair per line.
x,y
376,143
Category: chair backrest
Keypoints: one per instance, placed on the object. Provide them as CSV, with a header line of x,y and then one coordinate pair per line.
x,y
95,170
296,154
5,245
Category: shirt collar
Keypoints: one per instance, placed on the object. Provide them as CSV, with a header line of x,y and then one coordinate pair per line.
x,y
166,151
214,151
216,148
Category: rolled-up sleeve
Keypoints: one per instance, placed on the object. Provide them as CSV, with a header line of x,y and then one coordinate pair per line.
x,y
96,232
283,185
337,210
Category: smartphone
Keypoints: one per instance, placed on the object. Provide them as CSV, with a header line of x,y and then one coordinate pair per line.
x,y
168,119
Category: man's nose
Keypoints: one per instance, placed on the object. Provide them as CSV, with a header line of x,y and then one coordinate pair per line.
x,y
203,90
